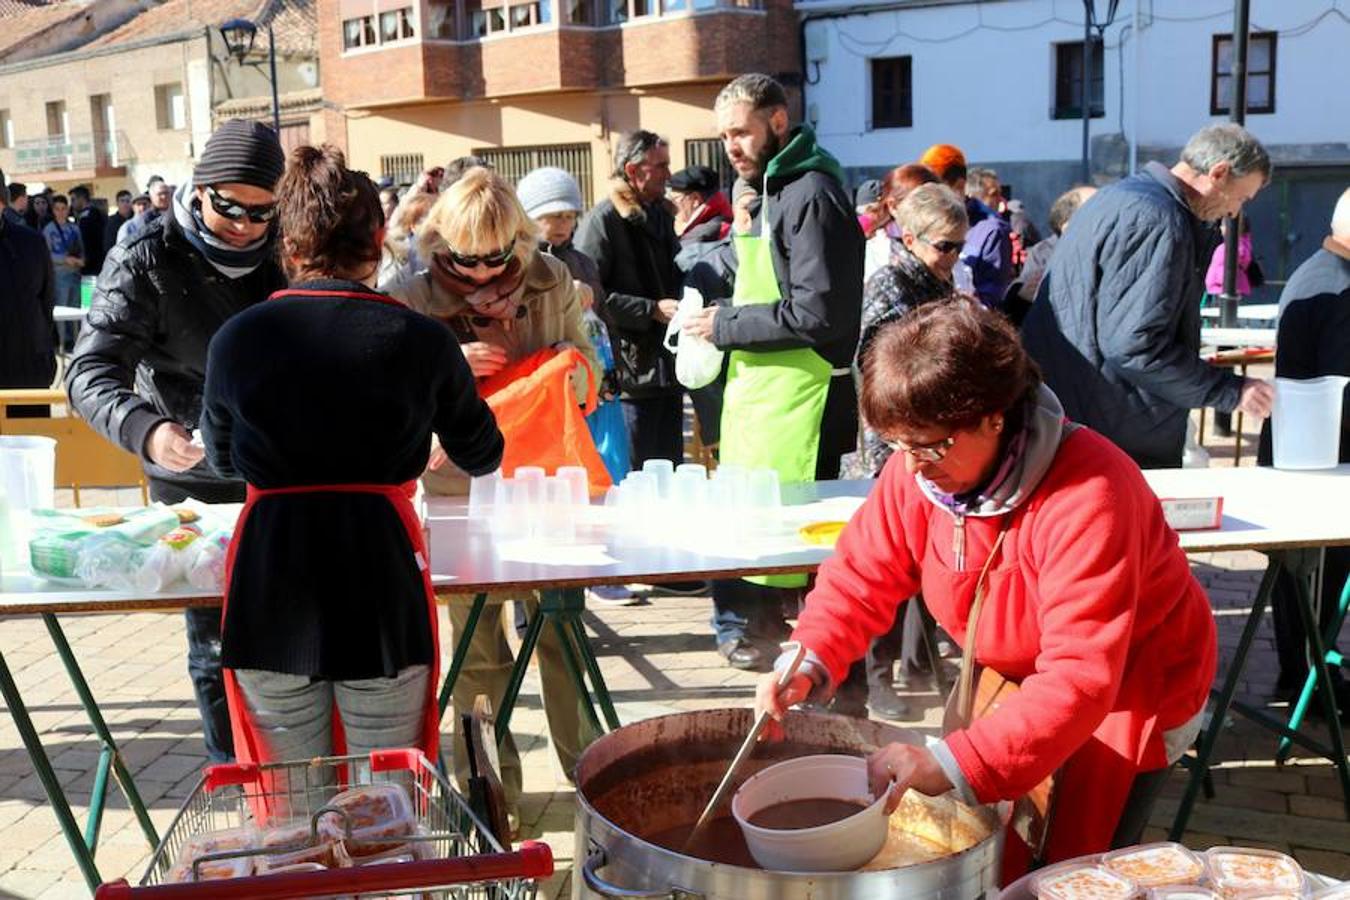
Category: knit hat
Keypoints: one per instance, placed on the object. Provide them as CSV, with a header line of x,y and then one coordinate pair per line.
x,y
241,152
943,157
549,190
867,193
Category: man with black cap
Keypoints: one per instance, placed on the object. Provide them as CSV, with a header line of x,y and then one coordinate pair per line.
x,y
702,211
139,368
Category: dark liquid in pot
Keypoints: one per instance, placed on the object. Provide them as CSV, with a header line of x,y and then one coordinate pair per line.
x,y
720,841
809,813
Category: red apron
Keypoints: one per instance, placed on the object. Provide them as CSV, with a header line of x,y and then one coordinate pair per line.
x,y
246,745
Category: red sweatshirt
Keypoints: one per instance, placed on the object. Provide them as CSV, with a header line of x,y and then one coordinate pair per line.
x,y
1091,606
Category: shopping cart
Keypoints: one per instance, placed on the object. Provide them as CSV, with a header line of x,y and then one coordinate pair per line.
x,y
464,861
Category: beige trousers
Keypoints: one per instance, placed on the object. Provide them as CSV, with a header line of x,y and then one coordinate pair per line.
x,y
487,669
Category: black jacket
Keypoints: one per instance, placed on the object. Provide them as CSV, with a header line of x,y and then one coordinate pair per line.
x,y
817,250
634,247
1116,324
141,356
1314,335
27,333
92,223
334,385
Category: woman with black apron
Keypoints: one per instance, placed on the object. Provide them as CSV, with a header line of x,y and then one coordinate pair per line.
x,y
324,400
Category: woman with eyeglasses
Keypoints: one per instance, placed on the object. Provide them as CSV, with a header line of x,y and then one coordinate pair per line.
x,y
1043,552
504,300
324,399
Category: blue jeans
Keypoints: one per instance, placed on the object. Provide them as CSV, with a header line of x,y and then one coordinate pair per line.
x,y
203,635
67,294
749,611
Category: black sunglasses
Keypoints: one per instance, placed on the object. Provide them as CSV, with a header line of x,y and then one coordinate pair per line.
x,y
234,211
943,247
491,260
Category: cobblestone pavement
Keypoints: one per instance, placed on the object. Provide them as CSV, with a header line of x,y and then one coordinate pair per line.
x,y
656,658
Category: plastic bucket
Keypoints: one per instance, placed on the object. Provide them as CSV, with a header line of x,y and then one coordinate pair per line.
x,y
837,847
1306,426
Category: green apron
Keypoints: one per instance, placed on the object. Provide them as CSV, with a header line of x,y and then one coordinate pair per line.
x,y
774,400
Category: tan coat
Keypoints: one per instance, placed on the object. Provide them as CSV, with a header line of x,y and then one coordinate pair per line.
x,y
553,316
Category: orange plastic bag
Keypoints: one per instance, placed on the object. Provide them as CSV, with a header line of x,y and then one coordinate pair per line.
x,y
538,415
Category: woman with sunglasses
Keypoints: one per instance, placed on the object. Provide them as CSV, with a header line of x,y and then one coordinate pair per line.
x,y
324,399
504,300
1044,553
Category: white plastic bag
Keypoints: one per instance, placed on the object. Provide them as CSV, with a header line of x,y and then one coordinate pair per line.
x,y
697,362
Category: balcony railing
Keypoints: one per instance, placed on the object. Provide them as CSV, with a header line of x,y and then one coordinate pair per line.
x,y
72,152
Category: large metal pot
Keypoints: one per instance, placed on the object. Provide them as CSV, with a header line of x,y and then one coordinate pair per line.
x,y
646,778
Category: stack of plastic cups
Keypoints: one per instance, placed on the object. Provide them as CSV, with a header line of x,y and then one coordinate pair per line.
x,y
507,518
529,498
559,514
764,497
688,500
727,499
579,480
663,470
483,501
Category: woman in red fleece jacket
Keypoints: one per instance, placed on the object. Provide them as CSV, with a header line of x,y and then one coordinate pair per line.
x,y
1089,601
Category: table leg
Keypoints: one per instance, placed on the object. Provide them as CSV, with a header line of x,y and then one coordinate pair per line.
x,y
512,692
84,857
568,605
593,668
1210,737
1333,716
110,756
1310,682
573,666
1237,429
461,652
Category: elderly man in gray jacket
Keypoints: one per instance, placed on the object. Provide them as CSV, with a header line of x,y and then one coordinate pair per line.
x,y
1116,324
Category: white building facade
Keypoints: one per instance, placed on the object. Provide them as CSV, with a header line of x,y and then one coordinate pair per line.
x,y
885,79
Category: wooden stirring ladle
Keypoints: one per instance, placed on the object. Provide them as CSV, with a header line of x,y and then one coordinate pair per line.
x,y
798,654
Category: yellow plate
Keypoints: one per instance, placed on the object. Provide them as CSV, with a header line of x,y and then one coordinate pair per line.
x,y
823,534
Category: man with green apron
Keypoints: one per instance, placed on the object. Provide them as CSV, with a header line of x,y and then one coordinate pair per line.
x,y
791,330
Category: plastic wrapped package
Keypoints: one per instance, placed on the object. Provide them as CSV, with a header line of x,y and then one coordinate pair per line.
x,y
206,561
1244,871
293,845
377,815
1082,882
161,565
1155,865
104,561
245,838
62,537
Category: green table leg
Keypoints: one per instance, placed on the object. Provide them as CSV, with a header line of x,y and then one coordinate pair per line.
x,y
1199,768
593,668
119,769
461,652
1310,683
573,666
84,857
512,692
1333,716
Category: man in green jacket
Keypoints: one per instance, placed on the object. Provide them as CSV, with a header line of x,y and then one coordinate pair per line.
x,y
792,330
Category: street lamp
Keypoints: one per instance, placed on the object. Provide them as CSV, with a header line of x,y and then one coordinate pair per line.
x,y
1090,21
239,35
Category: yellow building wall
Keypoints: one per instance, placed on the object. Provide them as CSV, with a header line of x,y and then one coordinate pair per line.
x,y
444,131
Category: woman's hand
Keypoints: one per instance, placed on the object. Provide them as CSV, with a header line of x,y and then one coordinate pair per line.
x,y
775,700
484,359
438,456
899,767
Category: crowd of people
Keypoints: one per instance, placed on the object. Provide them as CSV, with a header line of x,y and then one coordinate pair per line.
x,y
287,333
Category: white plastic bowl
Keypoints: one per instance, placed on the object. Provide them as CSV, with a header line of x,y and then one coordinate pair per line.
x,y
837,847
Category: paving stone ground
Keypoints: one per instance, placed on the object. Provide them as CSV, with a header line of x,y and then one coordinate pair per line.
x,y
656,658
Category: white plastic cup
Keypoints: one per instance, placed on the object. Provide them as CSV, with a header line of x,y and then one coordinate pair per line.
x,y
688,494
737,480
764,492
580,481
482,495
698,468
558,524
662,469
507,516
532,479
1306,426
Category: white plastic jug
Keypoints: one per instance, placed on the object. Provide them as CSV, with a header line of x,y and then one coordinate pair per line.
x,y
27,482
1307,422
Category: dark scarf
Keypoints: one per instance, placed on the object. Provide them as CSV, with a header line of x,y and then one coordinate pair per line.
x,y
500,298
230,261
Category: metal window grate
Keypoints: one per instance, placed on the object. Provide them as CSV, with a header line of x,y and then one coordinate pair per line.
x,y
402,167
514,163
709,152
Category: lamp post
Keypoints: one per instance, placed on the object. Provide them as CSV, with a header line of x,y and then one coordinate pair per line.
x,y
239,35
1090,21
1228,300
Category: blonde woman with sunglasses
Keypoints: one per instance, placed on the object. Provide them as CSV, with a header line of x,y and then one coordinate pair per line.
x,y
504,300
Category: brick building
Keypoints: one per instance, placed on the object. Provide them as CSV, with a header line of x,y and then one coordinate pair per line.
x,y
110,92
416,83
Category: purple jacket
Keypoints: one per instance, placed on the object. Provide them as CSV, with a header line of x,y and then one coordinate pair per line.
x,y
988,252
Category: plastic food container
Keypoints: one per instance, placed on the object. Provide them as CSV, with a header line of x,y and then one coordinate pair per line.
x,y
245,838
374,814
1155,865
1182,892
1335,892
1082,882
1246,871
835,847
